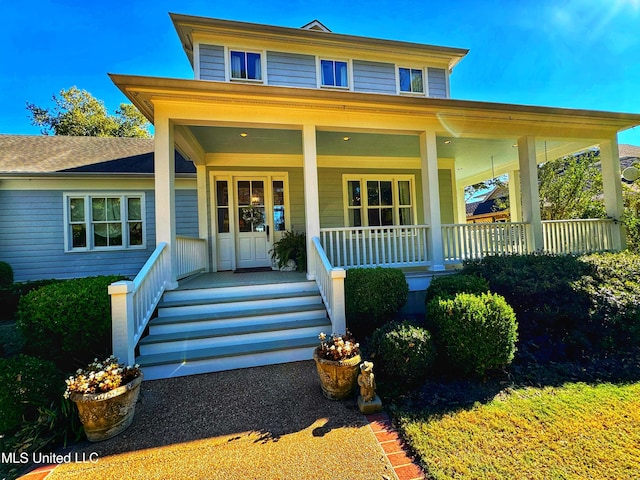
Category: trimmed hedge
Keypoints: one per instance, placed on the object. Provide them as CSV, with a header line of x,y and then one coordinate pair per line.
x,y
27,383
10,296
478,333
373,296
448,286
403,355
68,322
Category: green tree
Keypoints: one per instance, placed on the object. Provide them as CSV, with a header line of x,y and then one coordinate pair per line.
x,y
78,113
571,187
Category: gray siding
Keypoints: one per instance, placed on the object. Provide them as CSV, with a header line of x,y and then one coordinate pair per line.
x,y
446,196
212,63
32,237
291,70
374,77
437,78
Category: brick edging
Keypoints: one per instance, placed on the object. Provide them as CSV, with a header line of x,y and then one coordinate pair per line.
x,y
393,446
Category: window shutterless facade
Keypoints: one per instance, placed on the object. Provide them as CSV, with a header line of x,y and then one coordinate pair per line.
x,y
375,200
334,73
244,65
104,221
411,80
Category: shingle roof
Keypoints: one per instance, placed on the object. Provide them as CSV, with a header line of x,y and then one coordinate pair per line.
x,y
628,151
51,154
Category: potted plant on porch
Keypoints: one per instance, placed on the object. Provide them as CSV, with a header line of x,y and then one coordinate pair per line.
x,y
337,361
105,393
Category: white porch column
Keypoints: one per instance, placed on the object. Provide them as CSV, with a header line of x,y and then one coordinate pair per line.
x,y
515,194
164,161
530,194
612,186
203,210
431,197
311,202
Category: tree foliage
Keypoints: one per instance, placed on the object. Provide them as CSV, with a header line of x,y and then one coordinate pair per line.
x,y
571,187
78,113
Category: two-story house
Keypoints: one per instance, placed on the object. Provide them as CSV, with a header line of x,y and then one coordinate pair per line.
x,y
355,141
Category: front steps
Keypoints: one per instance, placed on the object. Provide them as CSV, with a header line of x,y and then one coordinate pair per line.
x,y
215,329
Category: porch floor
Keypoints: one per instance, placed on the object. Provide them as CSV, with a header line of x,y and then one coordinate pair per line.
x,y
238,279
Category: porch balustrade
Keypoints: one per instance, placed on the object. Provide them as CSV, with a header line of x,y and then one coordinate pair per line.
x,y
133,303
467,241
578,236
388,246
330,281
192,256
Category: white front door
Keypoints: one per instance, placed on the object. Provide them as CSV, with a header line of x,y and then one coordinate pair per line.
x,y
253,239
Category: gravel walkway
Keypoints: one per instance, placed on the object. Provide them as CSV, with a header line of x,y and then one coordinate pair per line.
x,y
257,423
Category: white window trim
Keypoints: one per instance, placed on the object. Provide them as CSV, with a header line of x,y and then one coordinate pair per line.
x,y
425,80
319,84
68,245
346,178
227,65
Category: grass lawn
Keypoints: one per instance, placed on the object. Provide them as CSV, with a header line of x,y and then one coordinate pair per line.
x,y
569,431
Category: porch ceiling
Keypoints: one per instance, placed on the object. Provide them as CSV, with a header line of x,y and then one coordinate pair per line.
x,y
475,159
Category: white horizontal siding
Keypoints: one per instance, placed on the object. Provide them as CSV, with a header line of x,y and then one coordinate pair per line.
x,y
212,63
291,70
374,77
32,236
437,82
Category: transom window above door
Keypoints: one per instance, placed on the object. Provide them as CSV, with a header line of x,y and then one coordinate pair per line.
x,y
334,73
379,200
245,65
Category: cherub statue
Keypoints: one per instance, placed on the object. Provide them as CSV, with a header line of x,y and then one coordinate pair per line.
x,y
367,382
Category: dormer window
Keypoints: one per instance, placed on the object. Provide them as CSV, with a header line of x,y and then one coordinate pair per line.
x,y
246,65
411,80
334,73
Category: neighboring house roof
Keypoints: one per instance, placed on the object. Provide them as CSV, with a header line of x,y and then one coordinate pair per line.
x,y
40,154
629,151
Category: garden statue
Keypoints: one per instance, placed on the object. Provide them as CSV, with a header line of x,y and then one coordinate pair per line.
x,y
368,401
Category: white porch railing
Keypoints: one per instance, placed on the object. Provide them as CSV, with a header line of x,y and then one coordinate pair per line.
x,y
330,282
466,241
389,246
133,303
192,256
577,236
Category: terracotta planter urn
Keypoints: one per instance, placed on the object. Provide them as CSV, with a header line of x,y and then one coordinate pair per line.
x,y
105,415
337,378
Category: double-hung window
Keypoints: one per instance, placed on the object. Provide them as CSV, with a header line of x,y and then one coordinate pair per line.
x,y
104,221
379,200
245,65
334,73
411,80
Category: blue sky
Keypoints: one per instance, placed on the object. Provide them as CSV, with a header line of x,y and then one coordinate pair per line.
x,y
569,53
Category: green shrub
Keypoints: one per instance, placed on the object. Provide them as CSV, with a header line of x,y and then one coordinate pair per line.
x,y
613,289
402,354
478,333
10,296
68,322
6,274
27,384
447,286
291,246
373,296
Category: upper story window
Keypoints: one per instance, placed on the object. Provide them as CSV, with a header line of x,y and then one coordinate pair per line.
x,y
334,73
245,65
411,80
104,222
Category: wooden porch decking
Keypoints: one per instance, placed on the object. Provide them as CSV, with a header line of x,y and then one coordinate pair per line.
x,y
238,279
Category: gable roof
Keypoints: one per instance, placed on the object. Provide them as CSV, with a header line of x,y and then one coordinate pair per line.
x,y
40,154
628,151
316,25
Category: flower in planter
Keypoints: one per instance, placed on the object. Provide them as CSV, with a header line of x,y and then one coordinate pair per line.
x,y
338,347
101,377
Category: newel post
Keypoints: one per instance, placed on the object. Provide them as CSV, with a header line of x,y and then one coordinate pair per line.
x,y
338,317
122,321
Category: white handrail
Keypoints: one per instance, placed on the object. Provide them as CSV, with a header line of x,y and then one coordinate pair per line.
x,y
466,241
388,246
330,281
133,303
578,236
191,256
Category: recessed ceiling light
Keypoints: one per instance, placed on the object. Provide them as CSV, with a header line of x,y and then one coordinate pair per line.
x,y
244,134
447,142
346,139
